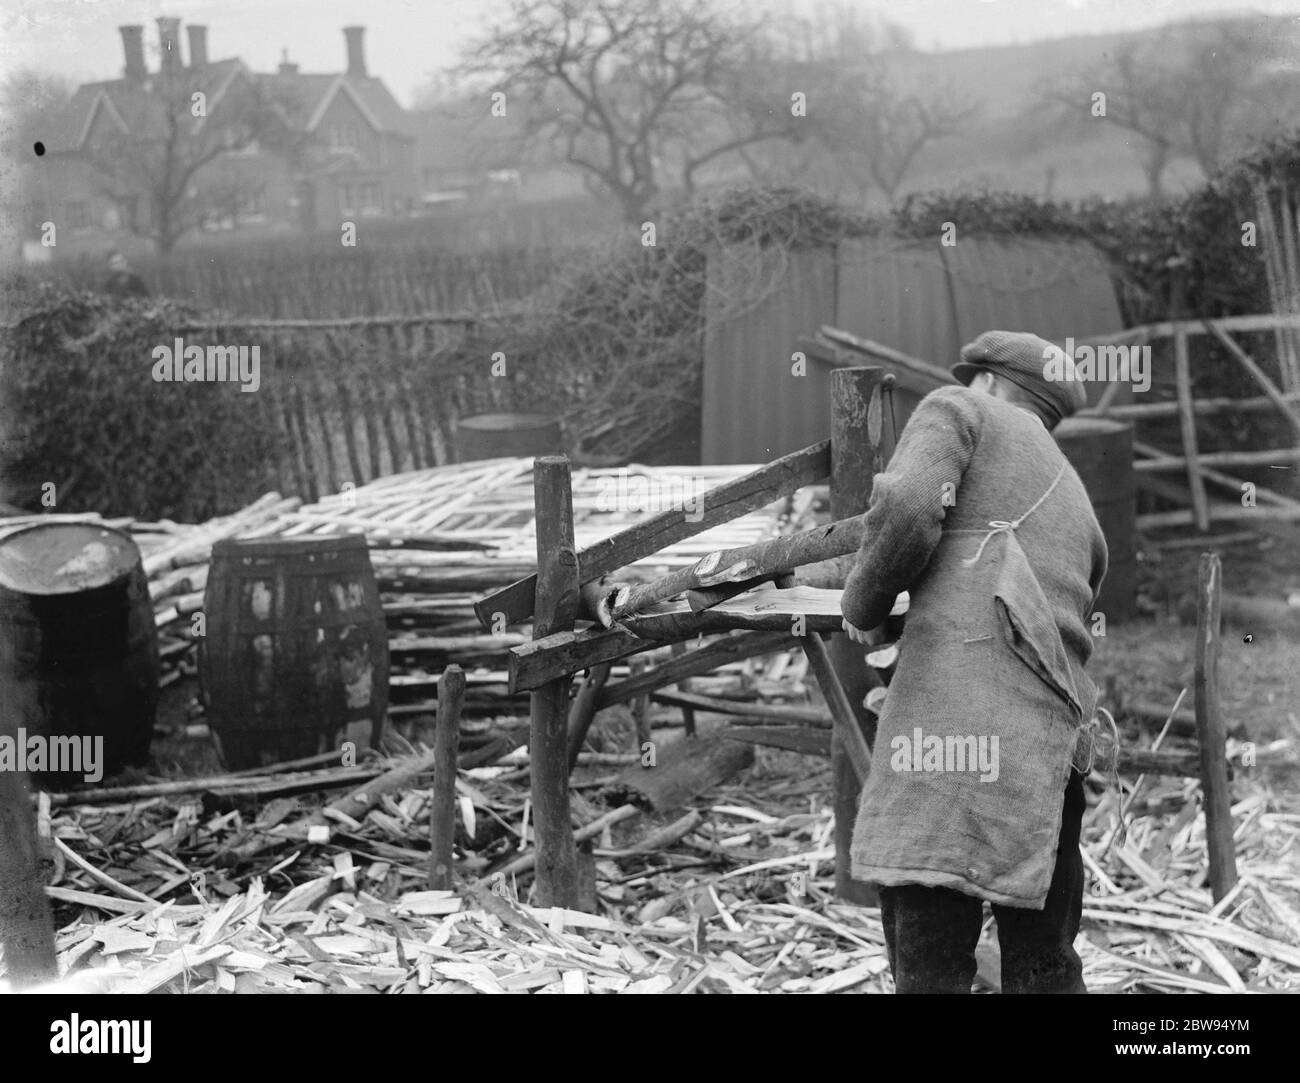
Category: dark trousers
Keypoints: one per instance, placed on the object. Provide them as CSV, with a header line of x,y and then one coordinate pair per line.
x,y
931,932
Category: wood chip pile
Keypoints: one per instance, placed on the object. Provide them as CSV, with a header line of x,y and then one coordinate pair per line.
x,y
742,903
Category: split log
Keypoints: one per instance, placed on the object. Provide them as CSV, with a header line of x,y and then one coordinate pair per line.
x,y
731,500
750,562
1210,731
585,705
847,730
794,610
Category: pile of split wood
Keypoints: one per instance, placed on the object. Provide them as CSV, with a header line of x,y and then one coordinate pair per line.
x,y
439,539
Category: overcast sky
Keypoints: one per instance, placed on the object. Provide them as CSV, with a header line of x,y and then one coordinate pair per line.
x,y
409,40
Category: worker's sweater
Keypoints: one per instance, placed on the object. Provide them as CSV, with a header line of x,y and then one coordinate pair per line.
x,y
992,660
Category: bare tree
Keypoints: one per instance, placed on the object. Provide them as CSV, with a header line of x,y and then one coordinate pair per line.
x,y
633,92
179,133
1140,96
875,129
1190,93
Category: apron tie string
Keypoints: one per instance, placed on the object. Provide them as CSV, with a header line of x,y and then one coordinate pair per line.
x,y
1000,526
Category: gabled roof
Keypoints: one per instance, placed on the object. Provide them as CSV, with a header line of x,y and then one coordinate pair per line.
x,y
303,98
134,106
310,95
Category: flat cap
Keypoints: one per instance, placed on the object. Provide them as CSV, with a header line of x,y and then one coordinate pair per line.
x,y
1040,367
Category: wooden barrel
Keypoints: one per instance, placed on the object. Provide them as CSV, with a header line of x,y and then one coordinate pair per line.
x,y
78,646
496,436
294,660
1101,450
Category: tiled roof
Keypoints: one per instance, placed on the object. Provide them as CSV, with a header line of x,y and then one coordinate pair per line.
x,y
301,96
136,104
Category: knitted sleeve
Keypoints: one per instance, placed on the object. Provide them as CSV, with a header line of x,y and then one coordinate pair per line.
x,y
909,502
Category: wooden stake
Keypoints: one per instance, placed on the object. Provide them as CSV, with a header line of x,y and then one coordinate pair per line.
x,y
853,469
847,730
555,607
442,815
1210,732
584,710
26,926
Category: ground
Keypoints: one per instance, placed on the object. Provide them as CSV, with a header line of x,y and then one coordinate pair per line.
x,y
744,902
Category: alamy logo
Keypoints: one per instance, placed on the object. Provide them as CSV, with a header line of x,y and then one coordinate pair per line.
x,y
64,755
1107,363
216,364
629,490
967,753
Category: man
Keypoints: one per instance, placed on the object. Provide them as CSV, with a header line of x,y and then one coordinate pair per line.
x,y
122,281
972,795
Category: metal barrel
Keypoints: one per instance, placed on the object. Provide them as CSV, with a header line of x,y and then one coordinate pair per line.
x,y
79,648
497,436
1101,451
294,659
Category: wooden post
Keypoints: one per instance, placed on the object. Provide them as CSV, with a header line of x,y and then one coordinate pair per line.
x,y
446,747
555,607
26,926
1210,731
853,466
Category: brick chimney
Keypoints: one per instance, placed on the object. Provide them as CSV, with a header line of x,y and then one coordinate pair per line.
x,y
198,36
287,67
133,49
356,52
169,44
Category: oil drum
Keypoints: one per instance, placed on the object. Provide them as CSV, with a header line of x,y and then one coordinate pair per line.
x,y
78,649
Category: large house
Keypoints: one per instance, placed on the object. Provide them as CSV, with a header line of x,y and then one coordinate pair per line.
x,y
343,148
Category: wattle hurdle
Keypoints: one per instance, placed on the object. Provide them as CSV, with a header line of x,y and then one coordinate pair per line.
x,y
720,597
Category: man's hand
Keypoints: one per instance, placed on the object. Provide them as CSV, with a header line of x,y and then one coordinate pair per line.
x,y
858,635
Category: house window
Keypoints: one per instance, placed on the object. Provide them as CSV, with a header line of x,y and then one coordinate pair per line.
x,y
78,214
347,198
371,198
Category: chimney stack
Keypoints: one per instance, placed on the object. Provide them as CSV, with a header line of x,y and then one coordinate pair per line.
x,y
169,44
356,53
286,66
198,36
133,48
